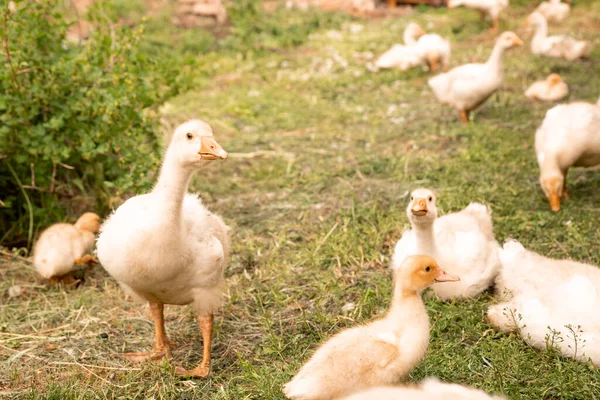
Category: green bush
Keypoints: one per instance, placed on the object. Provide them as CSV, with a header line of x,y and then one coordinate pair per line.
x,y
74,117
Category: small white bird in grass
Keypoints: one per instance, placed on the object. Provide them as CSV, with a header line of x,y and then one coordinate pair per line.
x,y
405,56
62,246
554,10
379,353
553,88
560,46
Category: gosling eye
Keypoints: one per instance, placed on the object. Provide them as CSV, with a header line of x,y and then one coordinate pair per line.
x,y
411,198
427,269
189,136
430,198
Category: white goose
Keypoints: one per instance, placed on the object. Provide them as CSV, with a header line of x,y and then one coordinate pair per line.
x,y
489,7
468,86
462,242
568,137
165,247
435,50
553,88
545,299
403,57
558,45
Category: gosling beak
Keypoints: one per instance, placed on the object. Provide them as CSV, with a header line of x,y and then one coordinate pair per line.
x,y
526,23
211,150
420,32
419,207
554,202
517,42
446,277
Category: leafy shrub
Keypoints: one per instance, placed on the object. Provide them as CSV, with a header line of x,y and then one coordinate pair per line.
x,y
75,123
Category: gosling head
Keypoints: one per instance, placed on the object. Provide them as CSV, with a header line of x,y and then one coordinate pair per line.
x,y
194,144
508,40
421,209
419,272
553,186
88,222
554,79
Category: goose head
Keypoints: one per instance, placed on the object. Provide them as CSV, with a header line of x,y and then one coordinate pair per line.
x,y
552,185
194,144
421,208
88,222
553,79
419,272
412,32
534,19
508,39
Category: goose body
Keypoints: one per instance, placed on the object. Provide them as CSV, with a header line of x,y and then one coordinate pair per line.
x,y
468,86
486,7
568,137
379,353
561,46
553,88
435,50
165,247
463,242
541,295
429,389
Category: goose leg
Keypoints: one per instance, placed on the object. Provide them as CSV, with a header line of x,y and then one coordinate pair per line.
x,y
464,116
202,370
496,25
87,260
432,64
565,192
392,3
162,346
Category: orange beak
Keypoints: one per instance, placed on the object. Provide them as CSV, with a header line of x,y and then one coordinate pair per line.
x,y
526,22
446,277
211,150
419,207
517,42
420,31
554,202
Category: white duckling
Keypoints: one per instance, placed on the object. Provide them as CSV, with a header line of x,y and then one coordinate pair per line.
x,y
62,246
378,353
429,389
550,302
165,247
489,7
468,86
435,50
462,242
558,45
403,57
568,137
554,10
553,88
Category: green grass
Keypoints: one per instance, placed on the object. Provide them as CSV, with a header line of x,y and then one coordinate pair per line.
x,y
316,213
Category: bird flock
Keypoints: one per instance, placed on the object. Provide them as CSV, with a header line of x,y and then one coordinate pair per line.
x,y
166,247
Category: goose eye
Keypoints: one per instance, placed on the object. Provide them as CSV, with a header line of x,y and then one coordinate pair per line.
x,y
411,198
427,269
430,198
189,136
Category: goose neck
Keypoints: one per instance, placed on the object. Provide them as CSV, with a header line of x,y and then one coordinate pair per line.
x,y
171,188
407,304
425,238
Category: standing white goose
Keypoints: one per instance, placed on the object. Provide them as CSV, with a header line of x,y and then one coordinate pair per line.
x,y
462,242
470,85
558,45
165,247
568,137
489,7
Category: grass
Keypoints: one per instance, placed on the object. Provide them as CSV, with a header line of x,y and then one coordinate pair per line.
x,y
316,212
